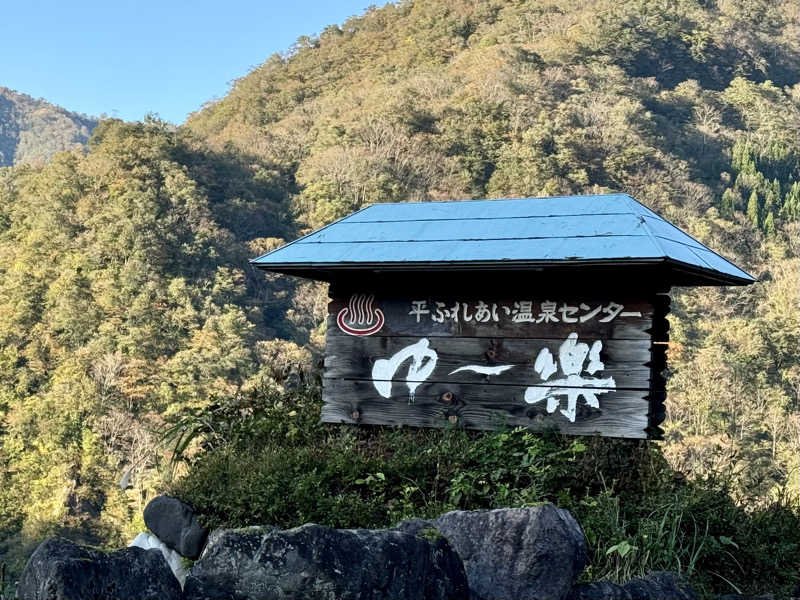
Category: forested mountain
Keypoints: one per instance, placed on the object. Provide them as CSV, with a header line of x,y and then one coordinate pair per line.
x,y
691,107
125,298
129,316
32,131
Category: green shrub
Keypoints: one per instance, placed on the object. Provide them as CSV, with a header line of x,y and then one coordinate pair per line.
x,y
290,469
266,459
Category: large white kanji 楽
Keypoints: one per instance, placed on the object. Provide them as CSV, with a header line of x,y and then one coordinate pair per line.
x,y
572,358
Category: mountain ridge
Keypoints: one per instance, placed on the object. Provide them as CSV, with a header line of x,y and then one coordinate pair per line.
x,y
33,130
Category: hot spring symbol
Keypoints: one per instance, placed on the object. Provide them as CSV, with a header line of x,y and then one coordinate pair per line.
x,y
359,317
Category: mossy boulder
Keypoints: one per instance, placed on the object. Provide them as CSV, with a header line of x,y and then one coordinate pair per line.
x,y
313,562
61,570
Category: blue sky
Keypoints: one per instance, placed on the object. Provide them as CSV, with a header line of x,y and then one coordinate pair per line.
x,y
126,58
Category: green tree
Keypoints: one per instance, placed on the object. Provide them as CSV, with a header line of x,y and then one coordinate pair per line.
x,y
769,223
754,209
791,203
728,203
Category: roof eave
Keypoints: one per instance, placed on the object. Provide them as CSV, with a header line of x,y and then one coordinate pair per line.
x,y
712,276
329,271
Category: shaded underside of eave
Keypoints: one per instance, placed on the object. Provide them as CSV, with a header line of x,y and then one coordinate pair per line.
x,y
676,273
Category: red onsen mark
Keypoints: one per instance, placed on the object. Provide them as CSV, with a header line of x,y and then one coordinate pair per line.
x,y
362,318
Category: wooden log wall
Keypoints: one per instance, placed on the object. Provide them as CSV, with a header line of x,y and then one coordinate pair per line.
x,y
581,365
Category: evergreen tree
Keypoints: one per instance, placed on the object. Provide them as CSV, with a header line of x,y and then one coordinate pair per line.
x,y
728,203
776,188
769,224
770,200
742,157
791,203
753,209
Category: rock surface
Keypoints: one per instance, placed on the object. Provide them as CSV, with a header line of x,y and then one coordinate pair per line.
x,y
174,523
61,570
515,553
598,590
663,585
147,541
317,563
660,585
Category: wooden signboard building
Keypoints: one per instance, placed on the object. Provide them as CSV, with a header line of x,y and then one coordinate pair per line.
x,y
533,312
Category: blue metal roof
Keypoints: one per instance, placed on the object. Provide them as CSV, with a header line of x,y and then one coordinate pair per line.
x,y
511,233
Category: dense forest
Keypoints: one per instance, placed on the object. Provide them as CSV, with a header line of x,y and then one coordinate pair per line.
x,y
691,107
32,131
140,352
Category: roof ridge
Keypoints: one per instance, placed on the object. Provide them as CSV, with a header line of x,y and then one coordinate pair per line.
x,y
651,212
702,247
492,199
425,220
484,239
703,260
646,227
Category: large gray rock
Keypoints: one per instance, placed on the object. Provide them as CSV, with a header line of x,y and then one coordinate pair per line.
x,y
598,590
660,585
317,563
61,570
516,553
174,523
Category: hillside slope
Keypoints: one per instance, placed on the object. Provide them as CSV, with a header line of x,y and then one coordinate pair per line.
x,y
463,99
32,131
691,107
